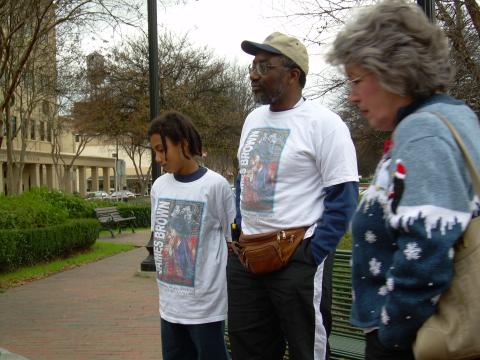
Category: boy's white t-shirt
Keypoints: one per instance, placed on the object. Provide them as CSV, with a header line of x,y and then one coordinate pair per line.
x,y
191,227
286,159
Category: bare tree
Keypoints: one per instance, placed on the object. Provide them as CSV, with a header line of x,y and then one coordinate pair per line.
x,y
460,20
28,28
34,90
26,23
65,163
214,93
138,152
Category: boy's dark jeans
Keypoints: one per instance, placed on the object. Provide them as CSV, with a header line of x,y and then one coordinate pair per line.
x,y
188,342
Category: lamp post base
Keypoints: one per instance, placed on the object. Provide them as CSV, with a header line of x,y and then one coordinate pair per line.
x,y
148,264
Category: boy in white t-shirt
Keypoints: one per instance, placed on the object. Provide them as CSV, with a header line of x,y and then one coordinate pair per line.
x,y
192,209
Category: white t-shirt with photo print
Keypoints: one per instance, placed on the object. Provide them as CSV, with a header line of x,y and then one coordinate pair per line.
x,y
286,159
191,227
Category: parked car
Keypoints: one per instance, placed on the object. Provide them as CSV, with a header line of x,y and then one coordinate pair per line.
x,y
122,195
95,195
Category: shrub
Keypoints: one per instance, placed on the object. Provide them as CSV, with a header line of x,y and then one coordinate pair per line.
x,y
22,212
141,212
19,247
75,206
99,203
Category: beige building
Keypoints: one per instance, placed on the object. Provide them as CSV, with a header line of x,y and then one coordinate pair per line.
x,y
66,171
126,177
41,170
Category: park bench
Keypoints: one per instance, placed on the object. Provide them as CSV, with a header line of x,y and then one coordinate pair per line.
x,y
110,219
346,341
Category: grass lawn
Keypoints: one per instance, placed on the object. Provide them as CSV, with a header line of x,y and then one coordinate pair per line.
x,y
23,275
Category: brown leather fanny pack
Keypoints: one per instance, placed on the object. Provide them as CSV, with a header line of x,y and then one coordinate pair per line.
x,y
264,253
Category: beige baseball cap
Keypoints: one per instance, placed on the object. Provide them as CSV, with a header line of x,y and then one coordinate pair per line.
x,y
278,43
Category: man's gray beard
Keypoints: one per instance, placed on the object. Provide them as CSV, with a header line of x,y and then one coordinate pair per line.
x,y
264,99
261,99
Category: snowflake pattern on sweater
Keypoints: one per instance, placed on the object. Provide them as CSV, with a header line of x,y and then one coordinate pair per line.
x,y
370,237
405,228
375,266
412,251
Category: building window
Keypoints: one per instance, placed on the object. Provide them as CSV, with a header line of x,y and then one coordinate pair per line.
x,y
32,130
14,126
42,130
45,107
49,131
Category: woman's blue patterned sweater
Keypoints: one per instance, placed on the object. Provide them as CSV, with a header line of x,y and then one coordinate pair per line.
x,y
419,203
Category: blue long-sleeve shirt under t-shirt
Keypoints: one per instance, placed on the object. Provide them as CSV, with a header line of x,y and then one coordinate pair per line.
x,y
339,205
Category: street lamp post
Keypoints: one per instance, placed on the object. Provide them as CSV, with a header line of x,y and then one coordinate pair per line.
x,y
149,263
153,73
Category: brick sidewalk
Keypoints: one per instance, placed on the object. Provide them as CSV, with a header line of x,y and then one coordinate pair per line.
x,y
101,310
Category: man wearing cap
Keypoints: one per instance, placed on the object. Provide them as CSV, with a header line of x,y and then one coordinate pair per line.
x,y
297,170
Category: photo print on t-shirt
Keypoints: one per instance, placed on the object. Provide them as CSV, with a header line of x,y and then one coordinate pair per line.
x,y
176,237
259,160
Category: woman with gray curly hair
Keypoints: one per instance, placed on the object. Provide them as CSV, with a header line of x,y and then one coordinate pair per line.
x,y
421,197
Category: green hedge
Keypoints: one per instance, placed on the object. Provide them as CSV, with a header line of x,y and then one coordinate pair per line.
x,y
21,212
20,247
141,212
75,206
42,207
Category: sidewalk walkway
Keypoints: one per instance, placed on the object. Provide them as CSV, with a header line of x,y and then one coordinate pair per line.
x,y
102,310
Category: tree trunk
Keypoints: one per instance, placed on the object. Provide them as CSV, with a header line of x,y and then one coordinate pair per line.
x,y
474,11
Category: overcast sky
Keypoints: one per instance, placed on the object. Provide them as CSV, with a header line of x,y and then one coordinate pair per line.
x,y
222,25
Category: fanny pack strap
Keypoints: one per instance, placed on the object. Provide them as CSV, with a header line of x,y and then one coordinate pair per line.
x,y
267,252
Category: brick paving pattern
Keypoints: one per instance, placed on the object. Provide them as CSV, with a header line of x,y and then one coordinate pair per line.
x,y
102,310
